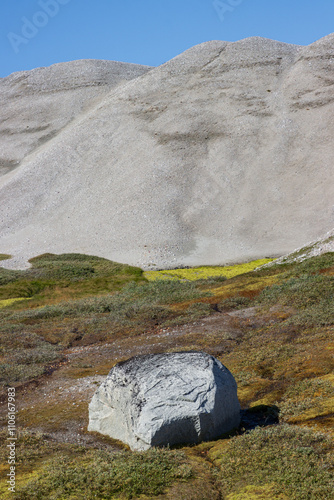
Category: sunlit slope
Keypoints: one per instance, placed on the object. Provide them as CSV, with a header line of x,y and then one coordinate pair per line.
x,y
223,154
36,105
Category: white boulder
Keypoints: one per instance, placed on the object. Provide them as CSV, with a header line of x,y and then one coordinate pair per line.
x,y
165,399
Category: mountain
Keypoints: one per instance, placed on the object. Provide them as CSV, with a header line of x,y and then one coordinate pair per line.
x,y
320,246
222,154
38,104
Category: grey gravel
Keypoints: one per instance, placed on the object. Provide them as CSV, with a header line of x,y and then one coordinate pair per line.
x,y
313,249
223,154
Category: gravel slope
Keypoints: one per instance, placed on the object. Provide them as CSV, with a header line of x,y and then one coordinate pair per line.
x,y
220,155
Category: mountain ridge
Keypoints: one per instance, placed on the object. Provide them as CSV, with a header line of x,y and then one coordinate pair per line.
x,y
220,155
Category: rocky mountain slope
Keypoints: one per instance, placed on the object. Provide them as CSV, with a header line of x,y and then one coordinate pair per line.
x,y
37,104
222,154
318,247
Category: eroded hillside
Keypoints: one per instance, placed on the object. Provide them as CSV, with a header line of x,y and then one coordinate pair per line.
x,y
222,154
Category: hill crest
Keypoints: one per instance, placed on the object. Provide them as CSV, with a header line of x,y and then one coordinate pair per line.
x,y
220,155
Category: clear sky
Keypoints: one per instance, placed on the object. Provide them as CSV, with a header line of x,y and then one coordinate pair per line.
x,y
38,33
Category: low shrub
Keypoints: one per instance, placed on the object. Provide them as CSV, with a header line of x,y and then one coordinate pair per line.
x,y
45,353
311,295
9,275
304,395
10,374
103,474
313,265
301,292
292,460
234,303
134,299
163,291
80,274
199,310
25,358
34,446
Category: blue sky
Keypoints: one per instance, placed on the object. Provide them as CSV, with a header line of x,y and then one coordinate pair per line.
x,y
36,33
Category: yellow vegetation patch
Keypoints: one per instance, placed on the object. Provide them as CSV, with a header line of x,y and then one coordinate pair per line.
x,y
247,393
322,409
55,417
265,492
104,368
248,287
8,302
242,288
217,450
21,479
267,400
328,378
205,272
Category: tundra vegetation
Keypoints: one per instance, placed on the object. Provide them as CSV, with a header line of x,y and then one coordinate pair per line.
x,y
66,320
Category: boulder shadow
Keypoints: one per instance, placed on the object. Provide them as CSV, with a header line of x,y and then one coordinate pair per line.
x,y
258,416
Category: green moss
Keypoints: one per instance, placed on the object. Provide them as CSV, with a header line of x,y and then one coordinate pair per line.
x,y
70,275
5,256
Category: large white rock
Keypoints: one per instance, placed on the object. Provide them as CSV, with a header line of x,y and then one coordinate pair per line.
x,y
165,399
